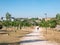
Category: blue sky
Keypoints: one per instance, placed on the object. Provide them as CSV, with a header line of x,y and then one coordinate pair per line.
x,y
30,8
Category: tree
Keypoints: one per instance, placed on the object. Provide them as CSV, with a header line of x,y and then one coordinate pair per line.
x,y
34,19
52,23
1,26
58,19
58,16
6,23
26,23
8,16
44,23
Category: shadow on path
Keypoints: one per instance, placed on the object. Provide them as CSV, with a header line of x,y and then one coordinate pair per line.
x,y
18,43
29,41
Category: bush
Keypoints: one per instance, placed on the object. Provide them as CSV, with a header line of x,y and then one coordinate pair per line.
x,y
1,26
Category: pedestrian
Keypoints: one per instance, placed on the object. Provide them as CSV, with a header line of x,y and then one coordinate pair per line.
x,y
37,27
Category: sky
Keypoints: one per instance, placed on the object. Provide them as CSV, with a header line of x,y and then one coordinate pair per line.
x,y
29,8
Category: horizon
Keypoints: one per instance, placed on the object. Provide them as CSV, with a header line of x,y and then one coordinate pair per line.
x,y
29,8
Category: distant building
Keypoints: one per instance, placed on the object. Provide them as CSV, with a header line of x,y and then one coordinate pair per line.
x,y
4,18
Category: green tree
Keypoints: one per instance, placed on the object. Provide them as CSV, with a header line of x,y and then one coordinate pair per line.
x,y
8,16
1,26
26,23
45,24
34,19
58,16
58,19
52,23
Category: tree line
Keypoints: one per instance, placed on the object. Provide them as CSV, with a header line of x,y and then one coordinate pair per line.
x,y
25,22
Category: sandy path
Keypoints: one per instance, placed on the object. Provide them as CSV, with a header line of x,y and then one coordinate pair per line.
x,y
35,38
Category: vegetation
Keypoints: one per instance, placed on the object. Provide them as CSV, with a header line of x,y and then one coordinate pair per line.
x,y
17,22
8,16
58,19
23,22
53,36
58,16
44,23
52,23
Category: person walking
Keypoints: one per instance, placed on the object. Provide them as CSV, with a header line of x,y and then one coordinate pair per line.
x,y
37,27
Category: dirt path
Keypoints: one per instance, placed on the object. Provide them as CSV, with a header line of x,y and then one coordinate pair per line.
x,y
35,38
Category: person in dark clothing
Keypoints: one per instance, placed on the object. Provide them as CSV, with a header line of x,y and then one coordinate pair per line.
x,y
38,28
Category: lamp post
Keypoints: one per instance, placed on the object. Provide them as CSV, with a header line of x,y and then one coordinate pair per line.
x,y
46,15
45,20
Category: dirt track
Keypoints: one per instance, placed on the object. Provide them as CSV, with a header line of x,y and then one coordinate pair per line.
x,y
35,38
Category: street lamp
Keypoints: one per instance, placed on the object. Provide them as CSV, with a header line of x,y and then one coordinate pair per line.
x,y
46,15
45,20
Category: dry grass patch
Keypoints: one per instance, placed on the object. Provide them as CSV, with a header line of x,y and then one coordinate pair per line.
x,y
52,35
13,36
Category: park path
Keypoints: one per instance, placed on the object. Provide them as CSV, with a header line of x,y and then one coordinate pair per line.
x,y
35,38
